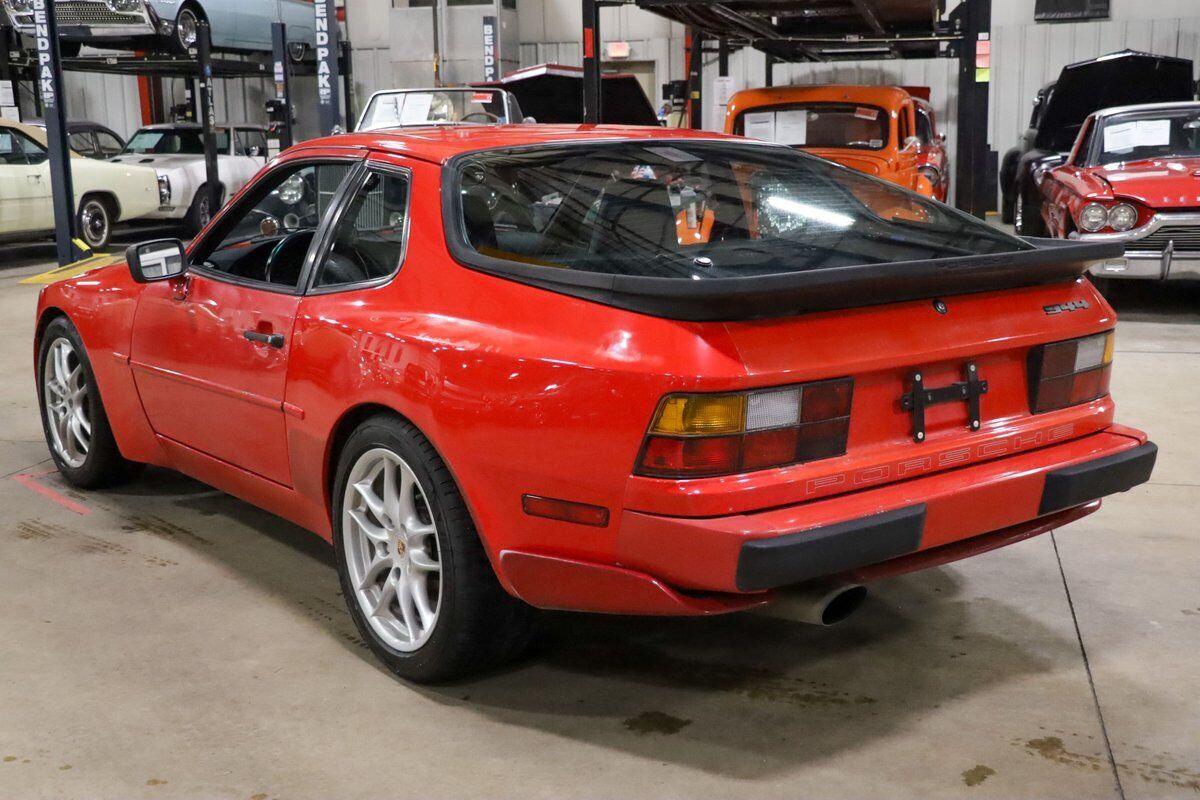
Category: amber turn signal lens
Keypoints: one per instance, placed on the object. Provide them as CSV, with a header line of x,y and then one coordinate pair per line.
x,y
700,415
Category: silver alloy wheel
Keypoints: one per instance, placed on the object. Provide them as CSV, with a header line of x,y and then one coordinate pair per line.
x,y
185,28
392,550
205,214
93,223
68,410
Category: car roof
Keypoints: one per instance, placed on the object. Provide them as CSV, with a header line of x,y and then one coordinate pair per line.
x,y
1115,110
828,92
195,126
440,143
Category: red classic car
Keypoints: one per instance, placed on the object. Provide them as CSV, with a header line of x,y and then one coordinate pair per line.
x,y
1133,177
933,161
623,370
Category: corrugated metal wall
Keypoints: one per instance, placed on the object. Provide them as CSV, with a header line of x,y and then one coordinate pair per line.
x,y
1026,57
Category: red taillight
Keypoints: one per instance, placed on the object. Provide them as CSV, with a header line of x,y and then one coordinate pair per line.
x,y
697,435
1069,373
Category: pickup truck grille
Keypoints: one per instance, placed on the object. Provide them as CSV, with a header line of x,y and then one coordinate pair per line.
x,y
1186,238
77,12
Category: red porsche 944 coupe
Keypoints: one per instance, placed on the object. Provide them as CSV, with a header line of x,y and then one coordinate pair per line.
x,y
605,369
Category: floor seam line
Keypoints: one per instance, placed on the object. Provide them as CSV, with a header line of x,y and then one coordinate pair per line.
x,y
1087,666
22,469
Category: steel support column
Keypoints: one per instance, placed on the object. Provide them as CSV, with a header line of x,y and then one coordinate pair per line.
x,y
49,80
695,78
208,114
971,182
283,82
591,62
347,69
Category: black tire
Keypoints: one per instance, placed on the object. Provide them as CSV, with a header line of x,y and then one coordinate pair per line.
x,y
94,221
103,465
184,22
478,625
200,212
69,49
1027,215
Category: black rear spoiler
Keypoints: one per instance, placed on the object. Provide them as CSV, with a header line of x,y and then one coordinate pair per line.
x,y
789,294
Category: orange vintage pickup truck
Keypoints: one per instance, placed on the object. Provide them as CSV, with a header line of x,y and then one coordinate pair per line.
x,y
872,129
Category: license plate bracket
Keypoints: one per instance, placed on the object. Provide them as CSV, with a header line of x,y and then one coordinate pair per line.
x,y
968,391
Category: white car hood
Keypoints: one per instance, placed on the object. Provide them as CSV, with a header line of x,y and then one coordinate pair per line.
x,y
173,161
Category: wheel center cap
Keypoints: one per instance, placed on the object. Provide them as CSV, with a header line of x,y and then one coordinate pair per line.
x,y
400,547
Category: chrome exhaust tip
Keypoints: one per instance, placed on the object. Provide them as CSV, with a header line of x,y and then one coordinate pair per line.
x,y
824,603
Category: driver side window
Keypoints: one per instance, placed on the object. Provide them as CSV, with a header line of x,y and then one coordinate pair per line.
x,y
267,237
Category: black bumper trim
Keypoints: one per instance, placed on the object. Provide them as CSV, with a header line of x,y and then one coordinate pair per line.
x,y
798,557
1091,480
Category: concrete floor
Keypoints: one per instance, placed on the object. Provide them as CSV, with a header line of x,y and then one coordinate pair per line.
x,y
165,640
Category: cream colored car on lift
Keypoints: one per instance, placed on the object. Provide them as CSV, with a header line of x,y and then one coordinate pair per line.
x,y
105,193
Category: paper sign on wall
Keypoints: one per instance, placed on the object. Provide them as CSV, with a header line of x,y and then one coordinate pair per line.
x,y
1139,133
791,127
760,125
722,90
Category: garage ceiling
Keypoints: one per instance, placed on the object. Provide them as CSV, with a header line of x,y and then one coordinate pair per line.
x,y
820,30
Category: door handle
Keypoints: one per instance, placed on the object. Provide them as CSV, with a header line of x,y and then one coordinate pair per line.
x,y
270,339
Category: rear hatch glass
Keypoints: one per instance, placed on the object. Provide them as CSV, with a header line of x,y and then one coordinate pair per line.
x,y
724,229
699,211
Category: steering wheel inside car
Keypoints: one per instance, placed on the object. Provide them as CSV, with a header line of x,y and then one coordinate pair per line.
x,y
487,116
287,258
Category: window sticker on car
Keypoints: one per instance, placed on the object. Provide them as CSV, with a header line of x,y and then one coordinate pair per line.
x,y
481,97
867,113
791,127
1138,133
761,125
416,109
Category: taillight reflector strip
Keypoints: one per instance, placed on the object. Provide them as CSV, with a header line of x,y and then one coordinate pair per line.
x,y
564,510
703,435
1070,372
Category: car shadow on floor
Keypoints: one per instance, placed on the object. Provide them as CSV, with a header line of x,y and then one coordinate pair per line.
x,y
743,696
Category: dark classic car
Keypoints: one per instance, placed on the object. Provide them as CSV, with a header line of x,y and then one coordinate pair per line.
x,y
1117,79
90,139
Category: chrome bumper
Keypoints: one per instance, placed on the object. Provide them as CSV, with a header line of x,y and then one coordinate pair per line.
x,y
1150,266
84,20
1161,263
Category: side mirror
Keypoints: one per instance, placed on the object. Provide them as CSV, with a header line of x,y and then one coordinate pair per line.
x,y
157,260
911,141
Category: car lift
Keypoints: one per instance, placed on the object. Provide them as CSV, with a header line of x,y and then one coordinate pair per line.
x,y
964,35
44,71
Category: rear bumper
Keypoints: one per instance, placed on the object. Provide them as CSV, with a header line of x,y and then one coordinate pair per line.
x,y
673,565
866,541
